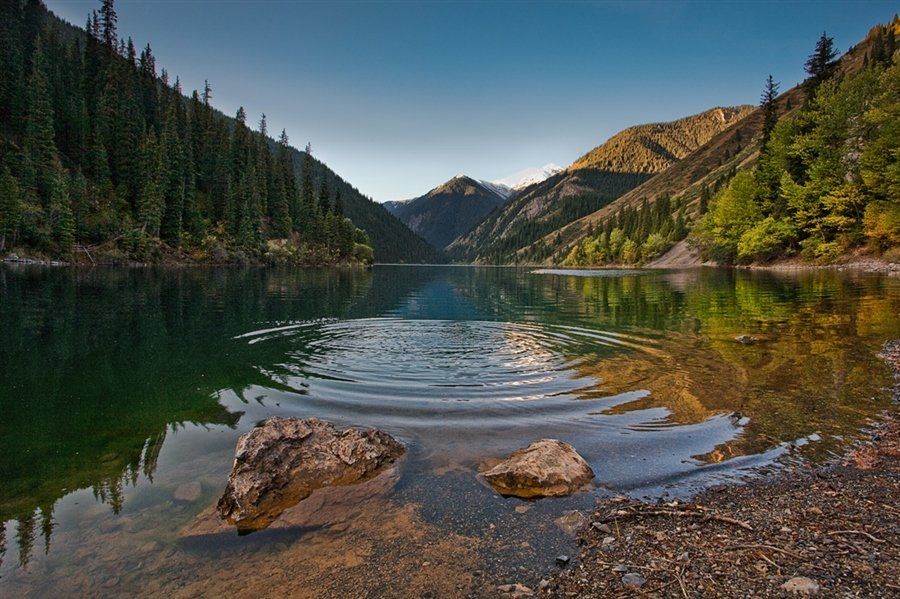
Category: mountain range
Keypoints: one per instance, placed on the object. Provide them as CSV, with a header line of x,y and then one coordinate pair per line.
x,y
449,210
622,163
454,207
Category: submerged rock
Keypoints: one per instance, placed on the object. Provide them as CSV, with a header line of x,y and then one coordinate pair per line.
x,y
284,460
545,468
188,492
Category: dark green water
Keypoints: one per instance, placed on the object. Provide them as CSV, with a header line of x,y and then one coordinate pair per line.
x,y
119,387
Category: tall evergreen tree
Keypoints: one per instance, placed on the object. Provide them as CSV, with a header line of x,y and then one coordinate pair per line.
x,y
769,107
10,207
821,63
62,222
151,200
109,20
39,144
338,202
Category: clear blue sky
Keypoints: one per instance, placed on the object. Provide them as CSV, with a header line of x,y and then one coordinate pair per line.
x,y
399,96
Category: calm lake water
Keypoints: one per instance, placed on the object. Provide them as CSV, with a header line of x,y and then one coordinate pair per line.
x,y
123,393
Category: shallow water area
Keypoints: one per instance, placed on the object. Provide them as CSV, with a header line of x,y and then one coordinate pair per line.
x,y
124,392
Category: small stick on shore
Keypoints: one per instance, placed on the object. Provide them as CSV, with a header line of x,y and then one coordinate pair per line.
x,y
678,514
857,532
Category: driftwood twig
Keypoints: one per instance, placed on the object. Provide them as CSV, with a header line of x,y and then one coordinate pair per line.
x,y
857,532
679,514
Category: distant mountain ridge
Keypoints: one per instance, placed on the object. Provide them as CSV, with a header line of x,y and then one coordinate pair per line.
x,y
448,210
623,162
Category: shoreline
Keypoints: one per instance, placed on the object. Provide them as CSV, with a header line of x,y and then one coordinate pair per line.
x,y
831,528
856,264
26,261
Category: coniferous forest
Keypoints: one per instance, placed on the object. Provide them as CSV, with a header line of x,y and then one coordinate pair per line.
x,y
104,157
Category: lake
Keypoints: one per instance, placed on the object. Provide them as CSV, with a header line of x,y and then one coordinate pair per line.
x,y
123,393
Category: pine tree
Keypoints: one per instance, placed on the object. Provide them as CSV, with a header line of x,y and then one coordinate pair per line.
x,y
39,145
280,187
338,202
324,205
62,222
769,108
307,195
109,20
151,199
705,197
10,207
821,63
173,184
207,92
12,67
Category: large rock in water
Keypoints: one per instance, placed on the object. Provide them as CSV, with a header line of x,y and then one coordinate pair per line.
x,y
283,461
543,469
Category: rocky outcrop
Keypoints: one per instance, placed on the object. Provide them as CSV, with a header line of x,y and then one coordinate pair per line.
x,y
284,460
545,468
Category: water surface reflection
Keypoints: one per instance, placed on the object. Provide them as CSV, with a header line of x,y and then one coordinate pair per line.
x,y
120,387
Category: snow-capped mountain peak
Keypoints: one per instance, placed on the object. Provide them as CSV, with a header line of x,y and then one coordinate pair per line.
x,y
529,176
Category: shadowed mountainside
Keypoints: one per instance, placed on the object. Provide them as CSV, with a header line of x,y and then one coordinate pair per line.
x,y
448,210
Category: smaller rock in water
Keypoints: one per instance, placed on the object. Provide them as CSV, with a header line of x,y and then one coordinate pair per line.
x,y
546,468
633,579
620,568
801,585
745,339
562,560
189,492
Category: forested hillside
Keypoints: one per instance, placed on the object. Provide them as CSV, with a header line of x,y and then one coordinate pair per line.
x,y
623,162
812,172
103,158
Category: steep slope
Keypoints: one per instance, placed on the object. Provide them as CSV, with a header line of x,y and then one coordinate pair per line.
x,y
688,183
626,160
392,240
448,210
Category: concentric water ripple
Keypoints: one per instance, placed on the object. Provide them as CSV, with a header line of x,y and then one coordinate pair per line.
x,y
421,362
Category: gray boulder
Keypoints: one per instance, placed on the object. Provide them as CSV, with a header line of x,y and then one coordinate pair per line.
x,y
284,460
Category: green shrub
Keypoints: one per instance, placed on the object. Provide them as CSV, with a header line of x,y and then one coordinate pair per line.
x,y
765,240
881,224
